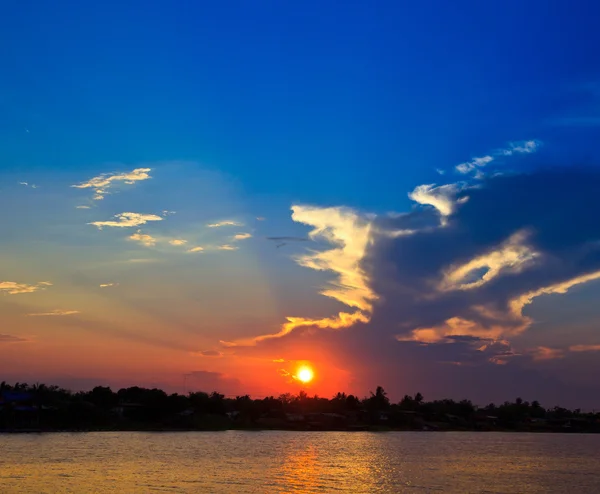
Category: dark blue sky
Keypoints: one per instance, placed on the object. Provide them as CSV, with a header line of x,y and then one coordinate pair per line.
x,y
168,140
314,101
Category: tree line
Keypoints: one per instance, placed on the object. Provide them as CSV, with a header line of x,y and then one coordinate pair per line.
x,y
53,407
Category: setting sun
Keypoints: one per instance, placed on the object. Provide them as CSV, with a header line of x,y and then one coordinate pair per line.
x,y
305,374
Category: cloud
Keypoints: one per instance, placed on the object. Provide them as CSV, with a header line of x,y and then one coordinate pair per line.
x,y
56,312
443,198
196,249
82,207
348,235
546,353
474,164
220,224
512,256
107,285
13,288
143,238
521,147
126,220
517,147
7,338
140,260
27,184
178,241
288,239
102,183
584,348
443,304
227,247
242,236
260,218
342,320
209,353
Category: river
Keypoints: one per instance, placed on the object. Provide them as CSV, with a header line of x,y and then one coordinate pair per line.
x,y
281,461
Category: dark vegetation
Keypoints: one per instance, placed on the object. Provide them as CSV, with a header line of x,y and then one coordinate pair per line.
x,y
40,407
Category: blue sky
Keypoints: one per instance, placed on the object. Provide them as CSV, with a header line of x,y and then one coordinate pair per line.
x,y
242,110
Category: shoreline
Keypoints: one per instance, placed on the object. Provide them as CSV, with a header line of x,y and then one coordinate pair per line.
x,y
259,429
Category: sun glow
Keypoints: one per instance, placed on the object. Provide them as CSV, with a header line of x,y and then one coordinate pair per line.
x,y
305,374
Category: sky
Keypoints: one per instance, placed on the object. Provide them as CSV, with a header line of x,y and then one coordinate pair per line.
x,y
210,196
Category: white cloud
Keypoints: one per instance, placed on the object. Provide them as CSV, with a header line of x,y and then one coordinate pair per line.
x,y
512,256
196,249
178,241
349,236
56,312
106,285
474,163
102,183
242,236
227,247
82,207
142,238
525,147
27,184
517,147
224,223
443,197
126,220
13,288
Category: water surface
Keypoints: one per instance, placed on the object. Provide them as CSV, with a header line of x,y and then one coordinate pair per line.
x,y
278,461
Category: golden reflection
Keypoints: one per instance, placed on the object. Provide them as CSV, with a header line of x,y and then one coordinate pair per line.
x,y
301,470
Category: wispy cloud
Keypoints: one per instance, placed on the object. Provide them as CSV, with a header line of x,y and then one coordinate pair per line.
x,y
178,241
102,183
208,353
474,163
126,220
8,338
27,184
288,239
219,224
56,312
13,288
140,260
107,285
516,147
242,236
196,249
546,353
83,207
143,238
227,247
585,348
